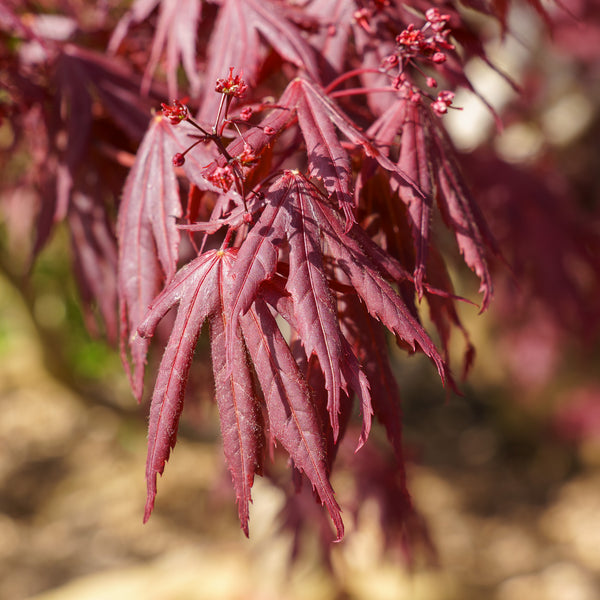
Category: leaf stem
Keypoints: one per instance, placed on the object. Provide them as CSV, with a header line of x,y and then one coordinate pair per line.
x,y
360,90
348,75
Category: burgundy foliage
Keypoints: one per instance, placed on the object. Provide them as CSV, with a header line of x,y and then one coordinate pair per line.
x,y
289,201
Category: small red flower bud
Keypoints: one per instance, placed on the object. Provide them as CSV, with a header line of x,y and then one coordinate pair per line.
x,y
431,82
246,113
399,81
248,219
178,159
268,130
438,58
437,19
415,96
362,17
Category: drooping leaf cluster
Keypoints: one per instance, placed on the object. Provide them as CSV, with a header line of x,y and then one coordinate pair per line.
x,y
298,188
300,202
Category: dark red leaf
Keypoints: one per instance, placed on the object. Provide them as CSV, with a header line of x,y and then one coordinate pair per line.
x,y
235,42
175,35
292,417
427,157
239,412
415,161
381,300
148,238
463,216
369,343
327,159
75,103
195,289
314,308
117,86
257,257
95,260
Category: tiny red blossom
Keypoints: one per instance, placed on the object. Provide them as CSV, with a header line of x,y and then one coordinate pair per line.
x,y
415,96
247,157
232,86
222,177
446,96
175,112
398,81
391,60
443,101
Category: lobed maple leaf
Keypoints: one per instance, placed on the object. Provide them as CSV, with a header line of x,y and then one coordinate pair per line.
x,y
289,213
176,33
148,238
236,40
198,290
292,249
201,291
292,417
426,155
95,260
295,219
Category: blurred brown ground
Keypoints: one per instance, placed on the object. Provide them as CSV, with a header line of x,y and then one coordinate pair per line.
x,y
508,525
514,513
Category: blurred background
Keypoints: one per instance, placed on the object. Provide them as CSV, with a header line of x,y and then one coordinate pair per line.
x,y
506,477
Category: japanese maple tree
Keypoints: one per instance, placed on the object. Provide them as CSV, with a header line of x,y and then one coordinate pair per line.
x,y
281,187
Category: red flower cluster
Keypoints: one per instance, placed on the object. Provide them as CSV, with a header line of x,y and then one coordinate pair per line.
x,y
232,86
429,42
